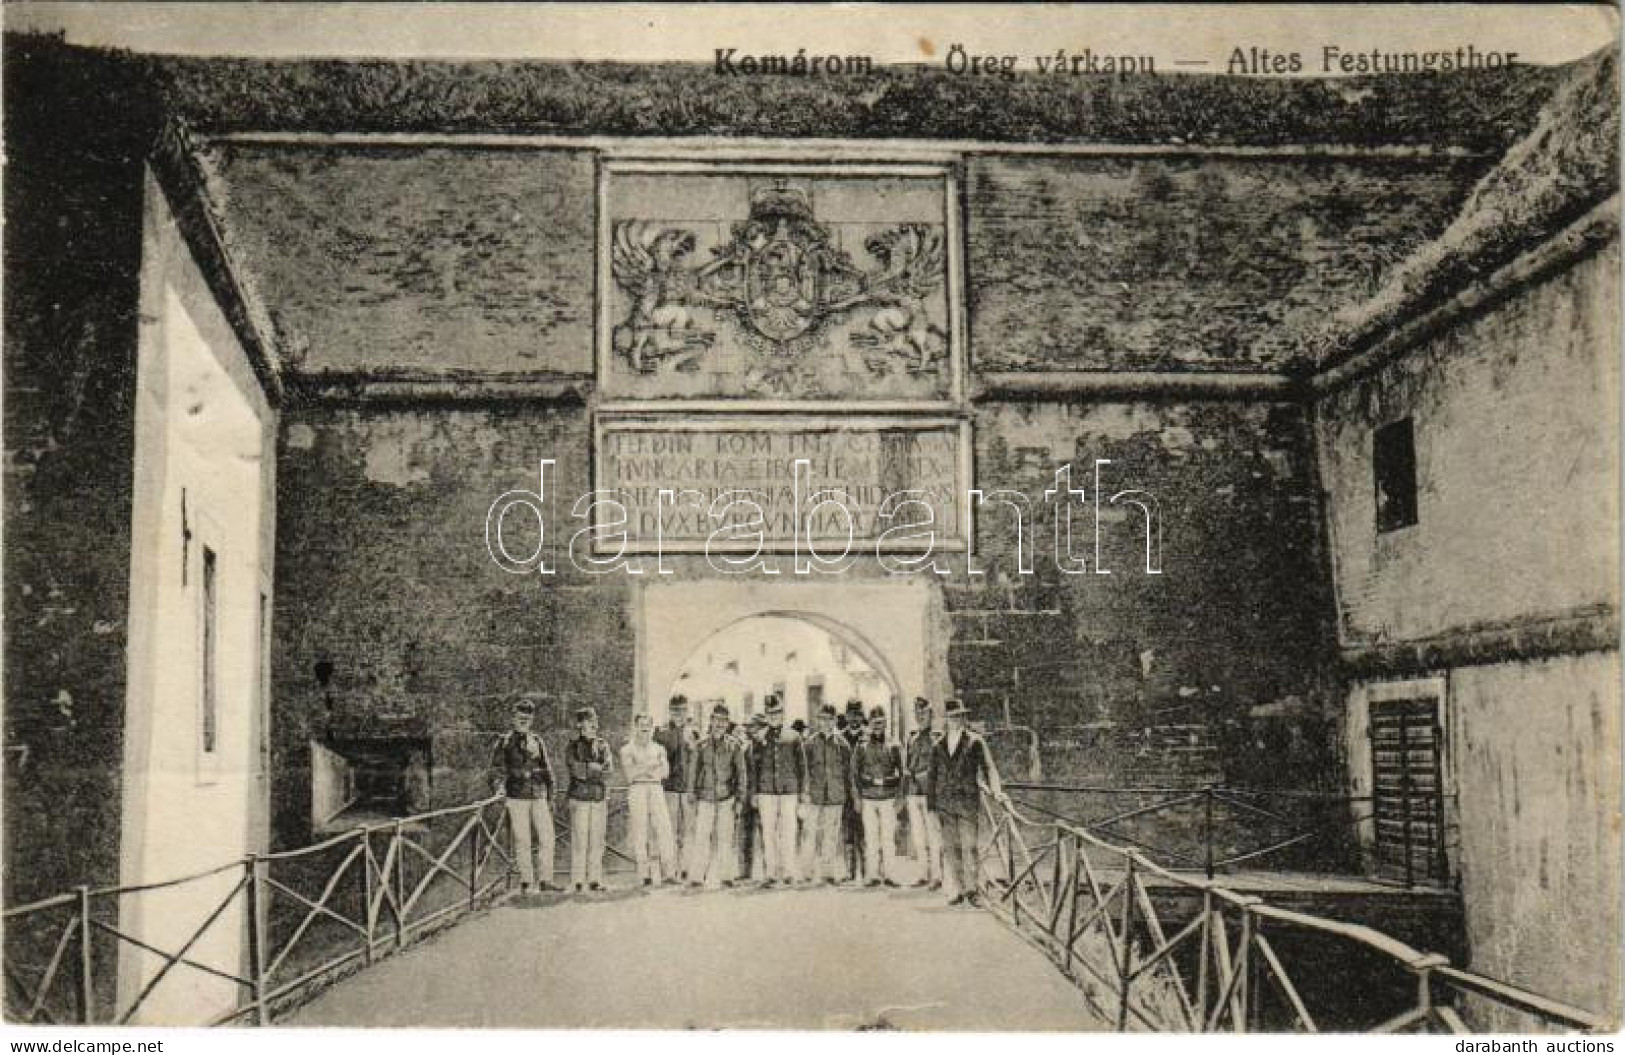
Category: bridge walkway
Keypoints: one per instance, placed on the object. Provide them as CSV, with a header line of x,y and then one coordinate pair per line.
x,y
802,958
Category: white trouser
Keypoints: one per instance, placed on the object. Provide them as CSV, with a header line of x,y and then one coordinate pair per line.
x,y
711,851
778,813
805,837
527,818
646,804
879,837
680,808
587,822
925,836
823,839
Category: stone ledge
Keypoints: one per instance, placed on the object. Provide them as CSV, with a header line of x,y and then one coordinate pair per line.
x,y
1594,630
1144,384
439,389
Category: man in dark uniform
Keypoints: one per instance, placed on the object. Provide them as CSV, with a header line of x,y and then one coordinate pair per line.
x,y
749,845
877,782
520,770
828,762
853,730
777,775
924,836
717,780
589,759
679,738
961,765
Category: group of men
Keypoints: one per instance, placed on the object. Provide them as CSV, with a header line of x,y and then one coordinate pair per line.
x,y
711,807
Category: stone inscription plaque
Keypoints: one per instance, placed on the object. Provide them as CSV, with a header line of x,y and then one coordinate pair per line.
x,y
736,484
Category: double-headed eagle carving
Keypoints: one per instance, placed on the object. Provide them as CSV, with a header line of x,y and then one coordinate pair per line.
x,y
780,279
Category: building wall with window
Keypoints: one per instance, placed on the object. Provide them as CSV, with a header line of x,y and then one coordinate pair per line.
x,y
200,588
1505,591
1512,415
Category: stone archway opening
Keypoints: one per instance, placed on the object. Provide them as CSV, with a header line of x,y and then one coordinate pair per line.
x,y
897,630
806,658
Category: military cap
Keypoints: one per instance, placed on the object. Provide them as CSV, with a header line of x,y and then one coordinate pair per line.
x,y
677,703
524,707
775,705
584,713
955,705
854,707
921,703
720,711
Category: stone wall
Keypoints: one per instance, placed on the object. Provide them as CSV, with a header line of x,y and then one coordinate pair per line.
x,y
1143,263
73,250
1183,676
412,261
1209,670
383,572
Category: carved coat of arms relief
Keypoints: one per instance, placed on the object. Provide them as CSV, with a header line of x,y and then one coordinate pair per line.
x,y
780,292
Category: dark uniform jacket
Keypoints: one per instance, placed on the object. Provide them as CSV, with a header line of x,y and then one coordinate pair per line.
x,y
877,769
679,743
828,767
777,766
519,760
717,770
853,734
586,786
952,784
922,743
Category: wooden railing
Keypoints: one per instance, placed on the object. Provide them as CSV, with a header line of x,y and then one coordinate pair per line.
x,y
305,914
1217,828
1236,963
1089,904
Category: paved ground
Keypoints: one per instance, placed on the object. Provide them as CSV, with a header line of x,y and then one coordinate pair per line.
x,y
823,958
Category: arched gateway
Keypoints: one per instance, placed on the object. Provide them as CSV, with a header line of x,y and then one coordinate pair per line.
x,y
897,629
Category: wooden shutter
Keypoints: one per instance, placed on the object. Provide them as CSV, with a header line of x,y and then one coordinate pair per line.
x,y
1407,790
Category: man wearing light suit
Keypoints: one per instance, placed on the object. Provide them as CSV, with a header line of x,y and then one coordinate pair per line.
x,y
718,781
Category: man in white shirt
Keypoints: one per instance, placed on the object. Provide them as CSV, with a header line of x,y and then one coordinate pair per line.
x,y
646,766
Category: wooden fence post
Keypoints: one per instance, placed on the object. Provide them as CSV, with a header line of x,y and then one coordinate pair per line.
x,y
86,996
1010,852
1243,970
1055,884
1424,993
367,919
1206,954
1125,963
474,860
399,845
256,935
1072,899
